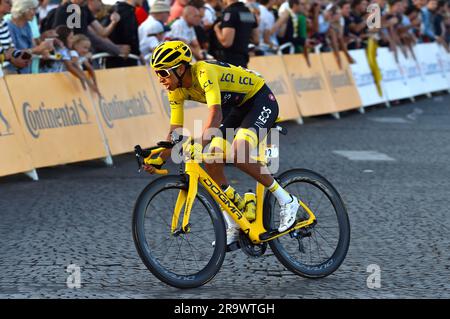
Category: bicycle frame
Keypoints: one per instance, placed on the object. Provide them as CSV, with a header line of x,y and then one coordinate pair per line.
x,y
255,230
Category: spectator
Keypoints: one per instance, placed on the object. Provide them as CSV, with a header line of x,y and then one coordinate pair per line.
x,y
336,34
439,24
291,25
210,14
126,33
428,32
7,50
152,30
176,10
358,24
44,8
80,54
200,32
64,16
183,30
141,14
103,43
267,40
22,12
62,39
64,44
234,33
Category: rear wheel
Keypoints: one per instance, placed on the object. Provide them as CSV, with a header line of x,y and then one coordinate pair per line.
x,y
318,250
183,260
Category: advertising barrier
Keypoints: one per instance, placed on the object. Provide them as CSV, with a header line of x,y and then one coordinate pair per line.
x,y
394,81
56,117
273,70
14,154
364,79
432,62
413,73
55,121
340,82
129,111
309,84
446,61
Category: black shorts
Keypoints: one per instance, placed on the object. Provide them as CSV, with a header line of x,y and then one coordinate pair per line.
x,y
258,113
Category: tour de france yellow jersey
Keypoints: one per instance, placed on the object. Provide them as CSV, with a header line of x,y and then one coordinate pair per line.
x,y
215,82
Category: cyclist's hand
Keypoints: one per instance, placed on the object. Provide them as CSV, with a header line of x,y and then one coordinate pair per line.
x,y
152,164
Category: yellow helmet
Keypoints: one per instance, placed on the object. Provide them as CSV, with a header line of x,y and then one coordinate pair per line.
x,y
170,54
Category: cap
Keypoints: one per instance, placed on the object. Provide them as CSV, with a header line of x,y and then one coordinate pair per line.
x,y
156,27
160,6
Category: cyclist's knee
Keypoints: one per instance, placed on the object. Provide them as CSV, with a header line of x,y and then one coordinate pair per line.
x,y
244,143
220,145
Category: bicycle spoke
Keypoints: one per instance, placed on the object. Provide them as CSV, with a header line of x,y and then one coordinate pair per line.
x,y
316,231
193,253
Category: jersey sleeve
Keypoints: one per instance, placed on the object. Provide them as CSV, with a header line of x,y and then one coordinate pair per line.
x,y
176,101
208,79
230,19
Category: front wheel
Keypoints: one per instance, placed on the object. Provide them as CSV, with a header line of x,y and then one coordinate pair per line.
x,y
181,260
318,250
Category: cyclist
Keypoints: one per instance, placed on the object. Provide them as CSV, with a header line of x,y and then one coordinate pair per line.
x,y
236,98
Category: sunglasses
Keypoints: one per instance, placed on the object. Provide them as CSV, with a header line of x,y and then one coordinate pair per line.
x,y
165,73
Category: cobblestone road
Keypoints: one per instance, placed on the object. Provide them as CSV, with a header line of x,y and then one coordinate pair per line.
x,y
398,207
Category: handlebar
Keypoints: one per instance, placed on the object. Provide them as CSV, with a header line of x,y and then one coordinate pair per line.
x,y
142,155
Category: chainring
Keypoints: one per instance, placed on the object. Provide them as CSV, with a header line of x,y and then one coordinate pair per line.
x,y
250,249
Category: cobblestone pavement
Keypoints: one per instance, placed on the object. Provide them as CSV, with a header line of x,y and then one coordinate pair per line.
x,y
398,208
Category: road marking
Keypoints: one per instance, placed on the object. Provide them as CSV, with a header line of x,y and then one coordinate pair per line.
x,y
413,115
390,120
364,155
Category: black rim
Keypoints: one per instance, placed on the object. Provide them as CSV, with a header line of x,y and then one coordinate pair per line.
x,y
186,260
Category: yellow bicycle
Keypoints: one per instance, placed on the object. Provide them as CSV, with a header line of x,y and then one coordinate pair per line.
x,y
175,222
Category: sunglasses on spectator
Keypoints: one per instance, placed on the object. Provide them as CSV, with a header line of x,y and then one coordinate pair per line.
x,y
165,73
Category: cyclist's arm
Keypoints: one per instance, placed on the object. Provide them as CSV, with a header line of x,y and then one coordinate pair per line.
x,y
214,120
166,153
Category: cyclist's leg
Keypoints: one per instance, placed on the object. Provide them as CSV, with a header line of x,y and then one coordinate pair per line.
x,y
263,114
232,118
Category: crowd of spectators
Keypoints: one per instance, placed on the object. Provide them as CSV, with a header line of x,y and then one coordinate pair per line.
x,y
63,35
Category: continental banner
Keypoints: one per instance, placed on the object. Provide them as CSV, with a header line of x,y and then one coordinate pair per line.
x,y
194,112
56,117
129,110
309,83
14,154
273,70
341,83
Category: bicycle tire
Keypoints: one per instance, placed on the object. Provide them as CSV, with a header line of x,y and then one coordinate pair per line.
x,y
329,265
148,254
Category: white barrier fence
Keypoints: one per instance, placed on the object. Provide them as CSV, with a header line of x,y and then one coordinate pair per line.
x,y
406,78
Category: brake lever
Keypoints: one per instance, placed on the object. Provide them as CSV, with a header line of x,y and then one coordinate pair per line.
x,y
138,152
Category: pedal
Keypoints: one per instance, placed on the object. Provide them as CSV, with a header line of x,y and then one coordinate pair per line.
x,y
233,246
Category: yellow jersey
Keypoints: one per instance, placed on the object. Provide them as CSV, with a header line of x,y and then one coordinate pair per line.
x,y
215,82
